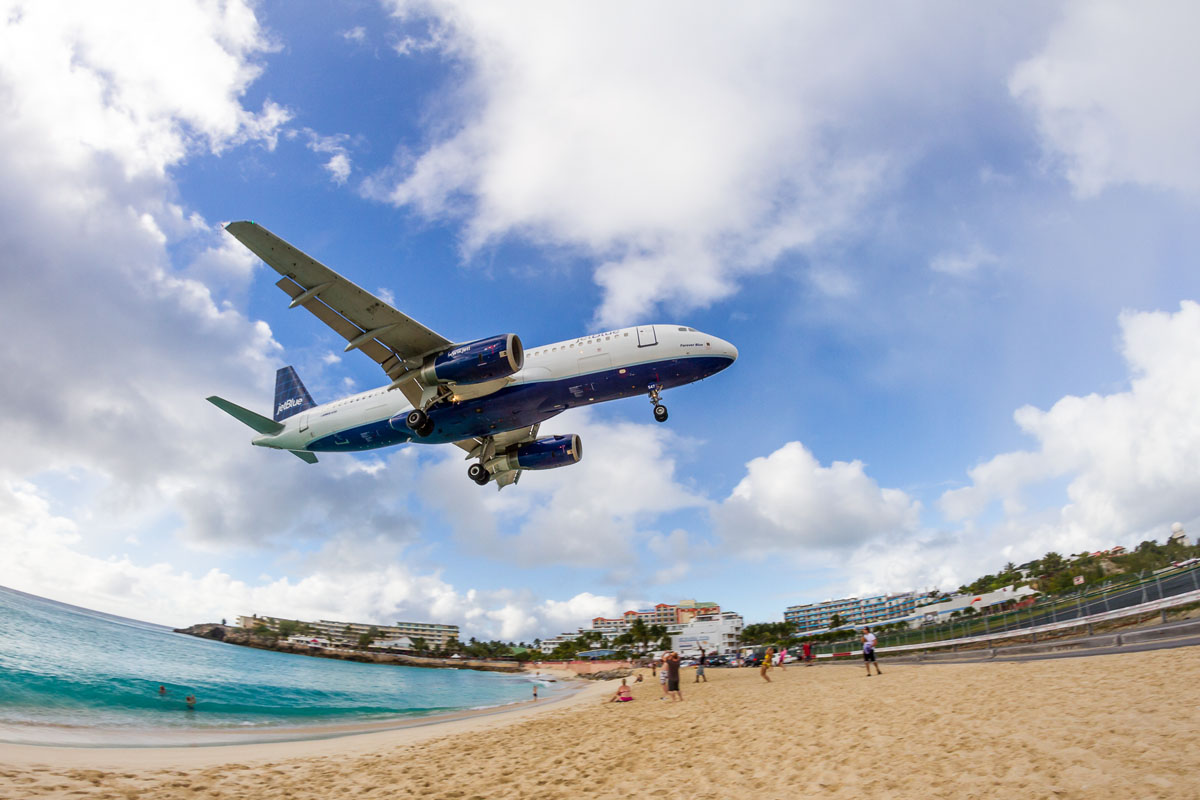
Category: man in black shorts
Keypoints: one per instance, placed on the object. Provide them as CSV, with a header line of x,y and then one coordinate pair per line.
x,y
868,640
671,665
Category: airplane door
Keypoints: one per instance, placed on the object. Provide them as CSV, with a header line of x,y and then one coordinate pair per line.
x,y
303,422
646,336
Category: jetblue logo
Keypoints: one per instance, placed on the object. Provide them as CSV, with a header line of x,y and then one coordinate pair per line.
x,y
284,406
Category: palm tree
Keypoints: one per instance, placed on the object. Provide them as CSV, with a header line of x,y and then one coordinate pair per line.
x,y
640,632
658,633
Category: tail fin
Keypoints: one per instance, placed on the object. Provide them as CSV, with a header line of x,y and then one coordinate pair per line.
x,y
290,395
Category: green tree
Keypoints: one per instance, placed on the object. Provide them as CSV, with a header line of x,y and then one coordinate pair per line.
x,y
420,646
640,632
364,640
836,621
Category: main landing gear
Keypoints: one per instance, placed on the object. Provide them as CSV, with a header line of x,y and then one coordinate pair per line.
x,y
479,474
660,411
419,423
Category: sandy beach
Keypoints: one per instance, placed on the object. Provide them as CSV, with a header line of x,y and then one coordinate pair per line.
x,y
1105,726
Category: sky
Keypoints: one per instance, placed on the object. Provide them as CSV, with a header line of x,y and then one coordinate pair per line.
x,y
955,245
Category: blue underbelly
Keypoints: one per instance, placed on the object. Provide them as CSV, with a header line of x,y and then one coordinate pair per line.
x,y
524,404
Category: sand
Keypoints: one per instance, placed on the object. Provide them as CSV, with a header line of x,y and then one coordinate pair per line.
x,y
1104,726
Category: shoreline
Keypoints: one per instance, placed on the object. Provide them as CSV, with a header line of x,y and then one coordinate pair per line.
x,y
344,739
1108,725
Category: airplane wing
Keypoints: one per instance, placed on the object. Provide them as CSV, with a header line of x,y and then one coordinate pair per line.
x,y
397,342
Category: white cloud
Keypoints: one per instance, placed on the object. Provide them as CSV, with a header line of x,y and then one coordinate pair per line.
x,y
961,264
681,146
357,34
43,557
338,166
1131,458
1113,92
788,502
589,514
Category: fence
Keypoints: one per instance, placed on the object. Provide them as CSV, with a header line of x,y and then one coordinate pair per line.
x,y
1126,596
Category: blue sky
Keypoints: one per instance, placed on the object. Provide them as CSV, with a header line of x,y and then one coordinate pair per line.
x,y
955,247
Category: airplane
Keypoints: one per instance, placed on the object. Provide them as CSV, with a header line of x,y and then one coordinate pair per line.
x,y
487,396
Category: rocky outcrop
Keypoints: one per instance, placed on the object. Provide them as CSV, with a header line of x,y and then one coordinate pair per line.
x,y
607,675
245,638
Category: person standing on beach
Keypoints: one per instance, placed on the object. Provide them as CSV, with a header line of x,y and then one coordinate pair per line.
x,y
782,658
700,667
662,679
868,640
808,659
535,692
671,667
766,664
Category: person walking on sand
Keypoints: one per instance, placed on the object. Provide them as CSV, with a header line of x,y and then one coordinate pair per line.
x,y
700,667
868,640
808,659
671,667
766,664
782,659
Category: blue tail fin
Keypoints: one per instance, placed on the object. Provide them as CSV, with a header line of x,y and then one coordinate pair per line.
x,y
290,395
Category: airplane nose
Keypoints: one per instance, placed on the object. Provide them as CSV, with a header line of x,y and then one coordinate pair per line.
x,y
727,349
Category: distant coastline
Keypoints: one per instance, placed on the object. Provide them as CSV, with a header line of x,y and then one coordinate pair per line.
x,y
245,638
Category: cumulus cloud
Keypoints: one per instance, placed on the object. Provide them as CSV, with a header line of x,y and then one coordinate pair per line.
x,y
789,502
1113,94
681,146
1131,459
590,514
43,556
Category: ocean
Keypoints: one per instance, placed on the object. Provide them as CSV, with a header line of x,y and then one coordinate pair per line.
x,y
73,676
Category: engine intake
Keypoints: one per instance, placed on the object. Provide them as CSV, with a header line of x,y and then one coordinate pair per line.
x,y
550,452
476,362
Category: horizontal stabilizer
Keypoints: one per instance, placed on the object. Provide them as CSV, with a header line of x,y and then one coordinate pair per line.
x,y
246,416
304,455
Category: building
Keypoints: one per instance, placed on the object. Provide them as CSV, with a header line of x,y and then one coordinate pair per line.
x,y
670,615
716,633
939,611
851,610
1178,536
346,634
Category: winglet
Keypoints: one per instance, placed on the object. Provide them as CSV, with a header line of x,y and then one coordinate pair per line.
x,y
246,416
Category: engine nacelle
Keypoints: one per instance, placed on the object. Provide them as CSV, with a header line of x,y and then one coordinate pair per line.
x,y
476,362
550,452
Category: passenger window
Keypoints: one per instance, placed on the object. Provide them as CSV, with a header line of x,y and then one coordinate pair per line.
x,y
683,329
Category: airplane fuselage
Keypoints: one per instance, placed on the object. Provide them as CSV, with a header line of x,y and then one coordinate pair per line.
x,y
576,372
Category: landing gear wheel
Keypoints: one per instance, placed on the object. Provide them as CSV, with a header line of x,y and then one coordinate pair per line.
x,y
419,423
477,473
660,413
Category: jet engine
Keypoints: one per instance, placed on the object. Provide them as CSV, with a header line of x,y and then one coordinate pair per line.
x,y
476,362
546,453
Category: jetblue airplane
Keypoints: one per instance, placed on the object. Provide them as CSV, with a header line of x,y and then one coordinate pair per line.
x,y
487,396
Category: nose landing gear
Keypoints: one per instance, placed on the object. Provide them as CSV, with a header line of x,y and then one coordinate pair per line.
x,y
660,411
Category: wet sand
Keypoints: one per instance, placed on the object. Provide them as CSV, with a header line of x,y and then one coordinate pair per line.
x,y
1120,725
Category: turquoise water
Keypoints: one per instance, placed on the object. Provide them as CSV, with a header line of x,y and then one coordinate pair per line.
x,y
69,675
